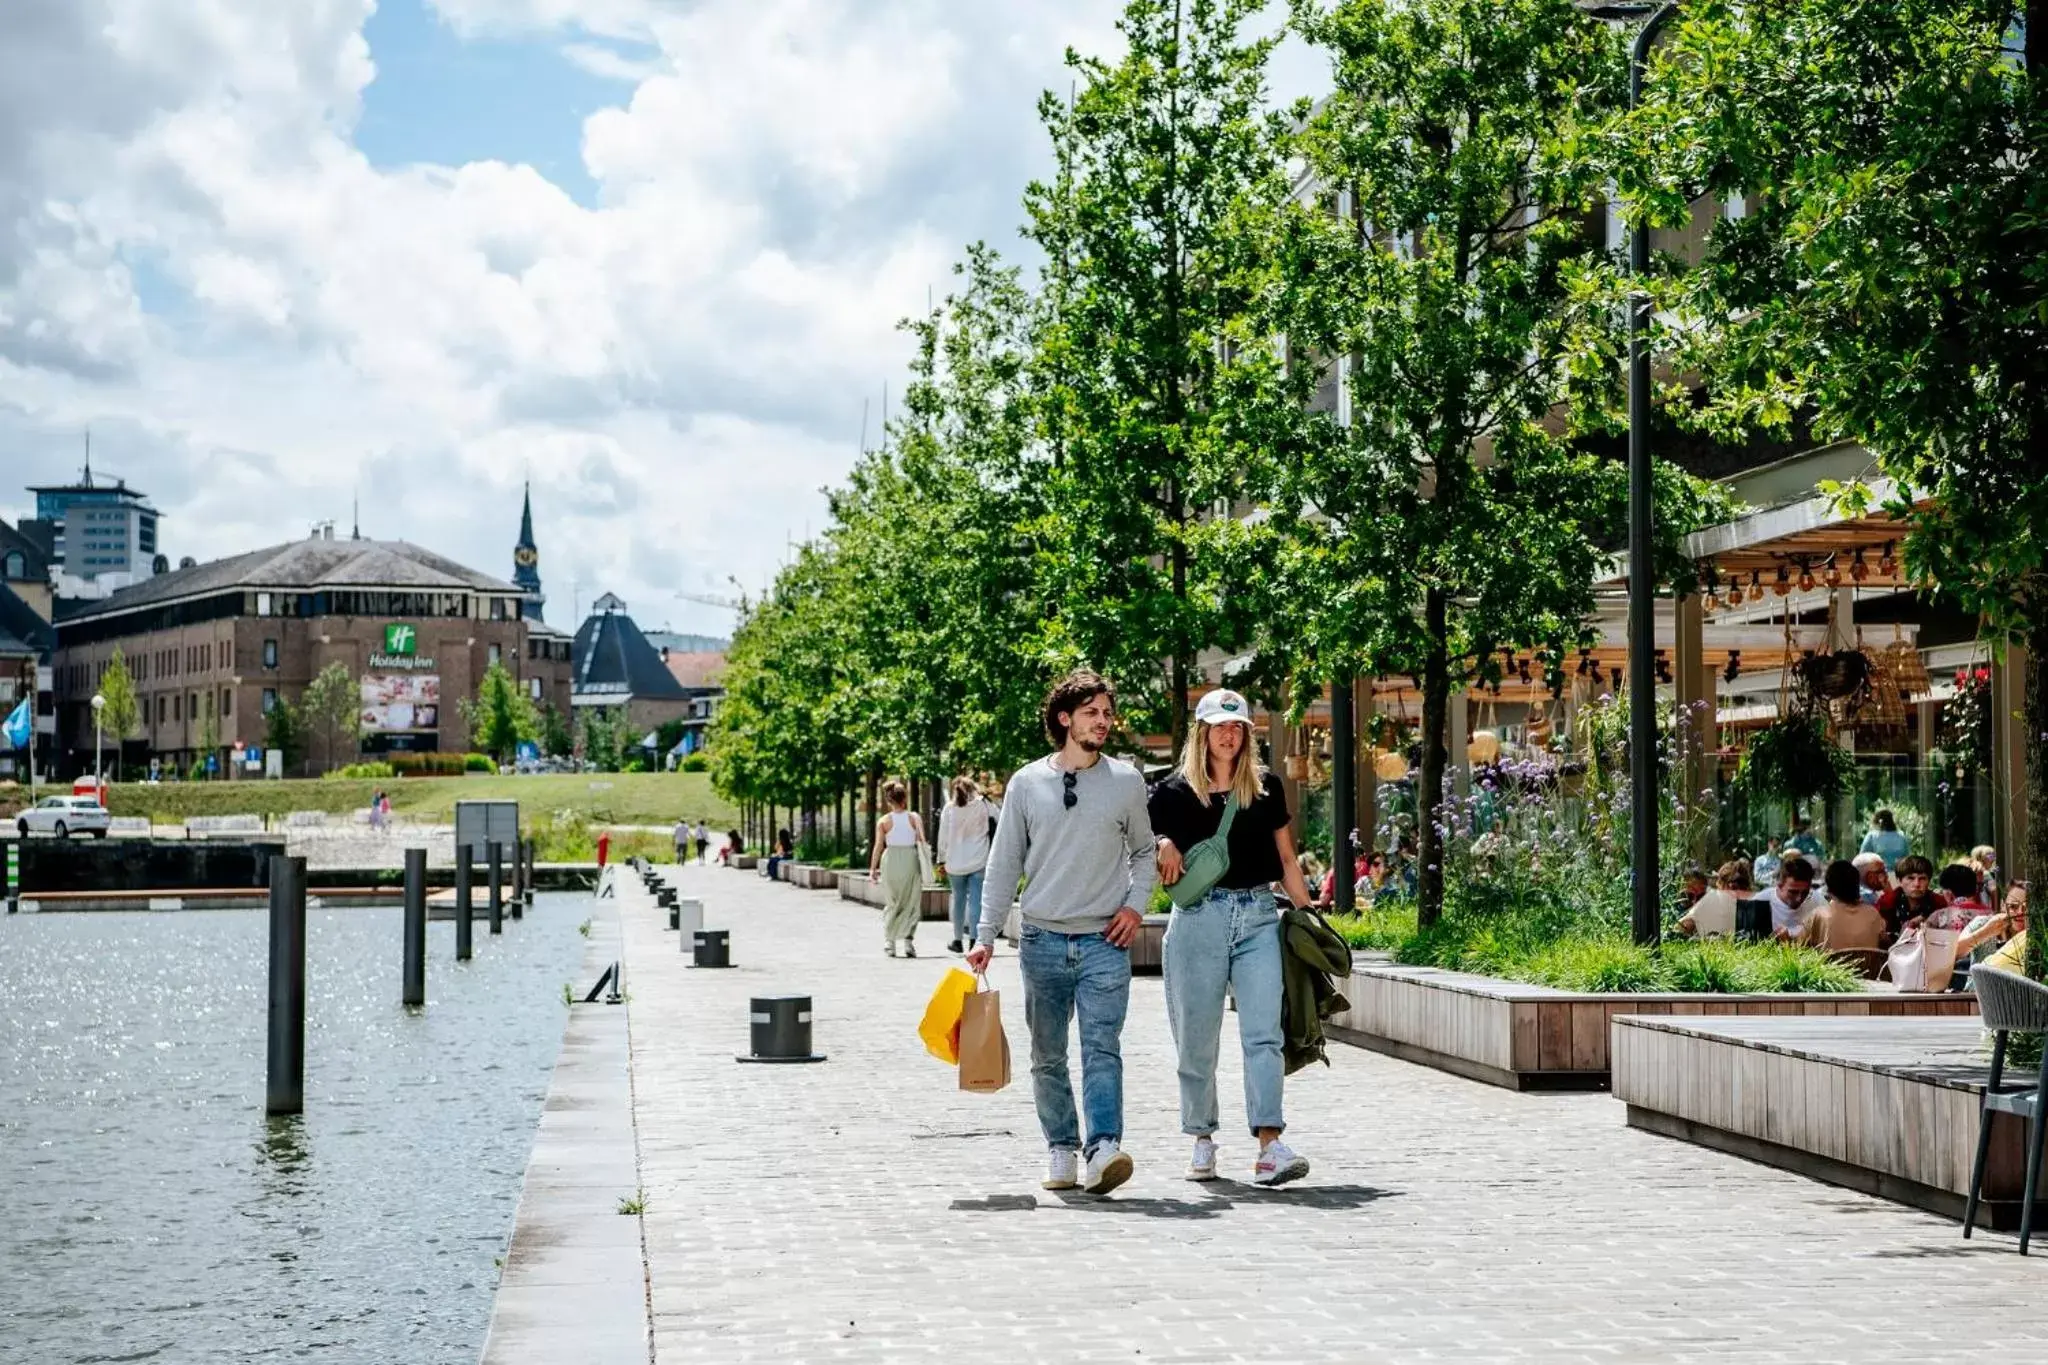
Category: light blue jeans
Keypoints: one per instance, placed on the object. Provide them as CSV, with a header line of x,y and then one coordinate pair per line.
x,y
966,887
1067,975
1227,939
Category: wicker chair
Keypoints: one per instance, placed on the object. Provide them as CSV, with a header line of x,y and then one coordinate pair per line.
x,y
2010,1003
1868,962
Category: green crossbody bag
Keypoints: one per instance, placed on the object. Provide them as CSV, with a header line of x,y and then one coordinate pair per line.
x,y
1203,865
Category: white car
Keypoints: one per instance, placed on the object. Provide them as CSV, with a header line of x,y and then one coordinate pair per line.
x,y
65,816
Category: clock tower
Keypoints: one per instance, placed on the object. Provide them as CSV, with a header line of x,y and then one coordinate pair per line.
x,y
526,562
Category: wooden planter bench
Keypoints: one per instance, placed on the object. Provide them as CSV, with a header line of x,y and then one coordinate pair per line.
x,y
936,906
1887,1106
1524,1036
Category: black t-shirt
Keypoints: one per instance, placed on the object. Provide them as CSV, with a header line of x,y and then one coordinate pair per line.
x,y
1254,861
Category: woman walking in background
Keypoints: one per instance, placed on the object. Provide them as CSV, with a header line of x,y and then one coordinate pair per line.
x,y
1230,938
966,827
897,863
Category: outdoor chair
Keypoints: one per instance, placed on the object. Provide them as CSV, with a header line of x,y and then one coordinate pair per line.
x,y
2010,1003
1753,919
1868,961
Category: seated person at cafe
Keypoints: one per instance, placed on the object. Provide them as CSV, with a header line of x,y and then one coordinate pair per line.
x,y
1875,881
1692,887
1966,913
1845,920
2011,955
1914,898
1713,915
1793,899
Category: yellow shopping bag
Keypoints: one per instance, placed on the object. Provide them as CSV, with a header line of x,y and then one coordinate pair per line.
x,y
941,1027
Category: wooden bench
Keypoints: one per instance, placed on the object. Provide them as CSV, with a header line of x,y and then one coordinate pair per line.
x,y
1883,1105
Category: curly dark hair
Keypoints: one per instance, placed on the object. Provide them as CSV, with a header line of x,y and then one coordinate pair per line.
x,y
1069,695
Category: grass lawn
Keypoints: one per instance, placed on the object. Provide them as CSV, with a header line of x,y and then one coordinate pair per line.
x,y
602,798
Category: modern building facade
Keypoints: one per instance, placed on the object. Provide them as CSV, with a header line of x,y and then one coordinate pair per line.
x,y
94,528
214,648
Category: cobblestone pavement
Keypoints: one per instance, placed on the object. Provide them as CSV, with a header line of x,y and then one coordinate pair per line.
x,y
867,1210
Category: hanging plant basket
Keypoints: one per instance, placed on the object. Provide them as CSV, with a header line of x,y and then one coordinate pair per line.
x,y
1388,766
1794,760
1297,767
1836,674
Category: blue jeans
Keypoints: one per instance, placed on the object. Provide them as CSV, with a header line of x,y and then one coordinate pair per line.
x,y
966,887
1067,975
1226,939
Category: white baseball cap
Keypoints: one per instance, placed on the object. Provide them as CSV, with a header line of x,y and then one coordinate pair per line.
x,y
1222,706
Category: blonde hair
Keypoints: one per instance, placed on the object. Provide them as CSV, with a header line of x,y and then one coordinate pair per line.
x,y
964,790
1246,783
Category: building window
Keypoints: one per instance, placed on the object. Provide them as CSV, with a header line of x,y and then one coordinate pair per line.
x,y
263,604
533,686
162,710
177,708
269,700
17,567
497,608
270,654
227,702
192,706
497,653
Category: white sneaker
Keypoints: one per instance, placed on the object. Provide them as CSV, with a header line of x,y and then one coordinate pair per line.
x,y
1107,1169
890,947
909,948
1202,1165
1063,1170
1278,1164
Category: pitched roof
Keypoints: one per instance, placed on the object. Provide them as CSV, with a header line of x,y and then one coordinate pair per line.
x,y
697,669
300,565
32,550
22,631
612,656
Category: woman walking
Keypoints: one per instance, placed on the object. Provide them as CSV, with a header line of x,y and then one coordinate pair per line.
x,y
1229,939
966,827
897,862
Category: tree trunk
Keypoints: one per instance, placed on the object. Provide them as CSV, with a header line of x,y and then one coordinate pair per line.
x,y
2033,853
1429,793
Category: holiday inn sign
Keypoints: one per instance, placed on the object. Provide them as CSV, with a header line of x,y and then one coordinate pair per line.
x,y
401,648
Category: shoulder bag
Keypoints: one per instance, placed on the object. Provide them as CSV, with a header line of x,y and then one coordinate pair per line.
x,y
1204,865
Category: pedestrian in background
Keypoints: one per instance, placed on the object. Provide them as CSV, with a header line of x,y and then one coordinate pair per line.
x,y
1229,940
966,829
682,841
1886,840
897,862
703,838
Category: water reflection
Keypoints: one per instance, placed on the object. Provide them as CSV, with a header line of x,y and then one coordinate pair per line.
x,y
153,1211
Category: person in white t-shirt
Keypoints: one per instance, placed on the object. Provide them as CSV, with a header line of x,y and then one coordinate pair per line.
x,y
1713,915
966,826
1793,899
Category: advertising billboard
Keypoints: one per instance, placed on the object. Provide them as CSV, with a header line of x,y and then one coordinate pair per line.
x,y
399,702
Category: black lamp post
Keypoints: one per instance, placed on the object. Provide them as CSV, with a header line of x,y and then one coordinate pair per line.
x,y
1646,918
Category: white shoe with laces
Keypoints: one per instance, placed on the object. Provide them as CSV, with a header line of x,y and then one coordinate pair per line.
x,y
1202,1165
1278,1164
1063,1170
1107,1169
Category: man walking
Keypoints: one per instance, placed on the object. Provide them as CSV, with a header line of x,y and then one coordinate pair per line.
x,y
682,841
1075,831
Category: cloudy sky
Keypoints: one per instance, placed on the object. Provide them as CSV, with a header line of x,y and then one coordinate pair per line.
x,y
648,254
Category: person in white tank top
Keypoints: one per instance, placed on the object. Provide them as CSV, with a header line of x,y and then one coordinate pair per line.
x,y
898,863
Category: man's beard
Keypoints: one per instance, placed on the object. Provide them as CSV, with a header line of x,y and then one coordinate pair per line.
x,y
1093,746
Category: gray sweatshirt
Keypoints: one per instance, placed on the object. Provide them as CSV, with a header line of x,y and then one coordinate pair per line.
x,y
1080,866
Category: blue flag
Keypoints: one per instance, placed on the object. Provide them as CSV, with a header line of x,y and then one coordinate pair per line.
x,y
17,727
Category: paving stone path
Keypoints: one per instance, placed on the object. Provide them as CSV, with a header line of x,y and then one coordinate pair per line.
x,y
867,1210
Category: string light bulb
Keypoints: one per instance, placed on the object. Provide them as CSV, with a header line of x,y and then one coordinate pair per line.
x,y
1833,577
1858,570
1783,583
1887,563
1806,579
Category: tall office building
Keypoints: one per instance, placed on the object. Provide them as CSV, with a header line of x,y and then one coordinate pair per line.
x,y
95,527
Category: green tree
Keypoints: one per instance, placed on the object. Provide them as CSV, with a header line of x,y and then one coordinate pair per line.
x,y
285,732
209,735
556,741
500,716
1887,281
603,737
331,710
1156,383
120,717
1460,512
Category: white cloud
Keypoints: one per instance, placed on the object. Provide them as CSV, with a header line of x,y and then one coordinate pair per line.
x,y
678,367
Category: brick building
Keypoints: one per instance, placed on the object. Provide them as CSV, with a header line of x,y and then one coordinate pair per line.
x,y
214,647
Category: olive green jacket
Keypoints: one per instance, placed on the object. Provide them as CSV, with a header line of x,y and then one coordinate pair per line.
x,y
1314,960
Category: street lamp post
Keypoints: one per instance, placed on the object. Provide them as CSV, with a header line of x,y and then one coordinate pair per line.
x,y
1646,917
99,782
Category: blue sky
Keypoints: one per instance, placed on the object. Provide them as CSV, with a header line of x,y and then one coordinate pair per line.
x,y
448,98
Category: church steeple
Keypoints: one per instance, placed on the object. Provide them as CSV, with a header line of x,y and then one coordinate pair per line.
x,y
526,562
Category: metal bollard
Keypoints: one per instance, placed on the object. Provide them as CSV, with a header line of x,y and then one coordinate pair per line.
x,y
518,879
463,905
415,927
712,948
495,853
285,1086
781,1030
688,917
532,867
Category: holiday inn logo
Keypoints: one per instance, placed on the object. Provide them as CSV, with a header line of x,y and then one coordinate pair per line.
x,y
400,639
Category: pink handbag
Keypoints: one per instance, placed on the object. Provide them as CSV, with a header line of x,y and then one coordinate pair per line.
x,y
1923,962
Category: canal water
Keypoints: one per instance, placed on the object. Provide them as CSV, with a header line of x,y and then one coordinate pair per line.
x,y
150,1212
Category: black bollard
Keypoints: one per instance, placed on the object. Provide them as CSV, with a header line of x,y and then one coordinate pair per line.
x,y
781,1030
518,879
494,852
713,947
463,905
532,867
285,1089
415,926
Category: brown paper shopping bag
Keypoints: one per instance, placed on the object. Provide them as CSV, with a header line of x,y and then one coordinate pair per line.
x,y
984,1050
